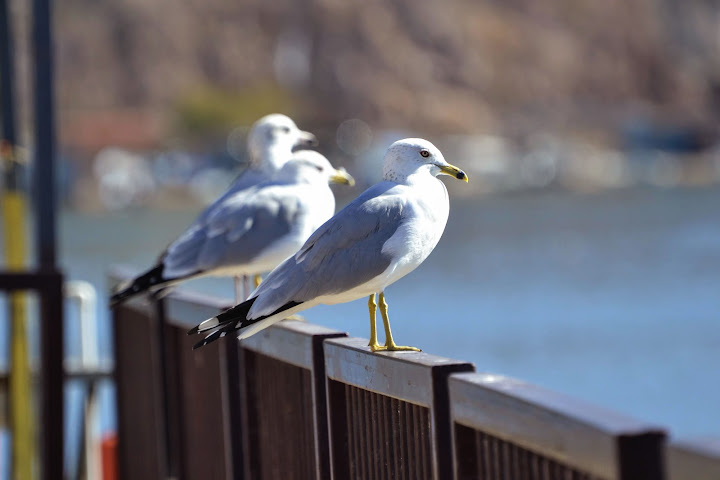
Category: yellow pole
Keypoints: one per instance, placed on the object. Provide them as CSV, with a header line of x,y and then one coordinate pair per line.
x,y
21,421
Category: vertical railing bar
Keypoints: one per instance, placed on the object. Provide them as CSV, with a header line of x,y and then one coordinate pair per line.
x,y
505,459
410,429
419,451
365,428
641,457
244,379
397,435
427,444
320,405
235,407
226,405
403,440
160,323
352,447
379,451
118,371
387,435
52,378
481,455
355,429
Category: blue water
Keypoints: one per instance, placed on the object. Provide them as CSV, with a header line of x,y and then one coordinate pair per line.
x,y
613,298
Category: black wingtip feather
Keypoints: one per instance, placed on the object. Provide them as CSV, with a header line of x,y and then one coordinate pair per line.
x,y
141,284
235,318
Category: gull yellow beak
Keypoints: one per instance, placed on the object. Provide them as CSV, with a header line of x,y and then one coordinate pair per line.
x,y
342,177
454,171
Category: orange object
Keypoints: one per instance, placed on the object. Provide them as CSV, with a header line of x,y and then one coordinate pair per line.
x,y
109,457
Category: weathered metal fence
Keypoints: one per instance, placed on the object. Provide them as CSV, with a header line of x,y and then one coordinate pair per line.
x,y
300,401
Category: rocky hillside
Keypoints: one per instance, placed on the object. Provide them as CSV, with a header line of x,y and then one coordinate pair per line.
x,y
507,67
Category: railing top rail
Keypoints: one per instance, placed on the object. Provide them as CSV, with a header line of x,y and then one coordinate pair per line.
x,y
509,393
403,375
695,459
570,430
290,341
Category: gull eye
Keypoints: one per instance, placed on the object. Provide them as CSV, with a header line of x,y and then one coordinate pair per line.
x,y
424,153
285,129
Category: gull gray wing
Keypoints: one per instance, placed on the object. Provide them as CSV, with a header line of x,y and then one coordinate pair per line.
x,y
345,252
247,179
235,233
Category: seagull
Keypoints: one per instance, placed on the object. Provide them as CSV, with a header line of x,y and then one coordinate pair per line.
x,y
271,142
250,231
378,238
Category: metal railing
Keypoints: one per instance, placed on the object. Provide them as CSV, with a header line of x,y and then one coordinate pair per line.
x,y
300,401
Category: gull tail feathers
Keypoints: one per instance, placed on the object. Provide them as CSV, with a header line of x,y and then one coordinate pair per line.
x,y
228,317
138,285
233,319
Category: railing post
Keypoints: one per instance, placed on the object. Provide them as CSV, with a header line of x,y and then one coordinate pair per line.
x,y
534,430
388,412
202,400
140,412
641,456
282,381
169,389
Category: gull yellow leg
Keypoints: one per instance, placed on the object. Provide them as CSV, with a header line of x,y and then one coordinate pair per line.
x,y
389,342
257,279
372,308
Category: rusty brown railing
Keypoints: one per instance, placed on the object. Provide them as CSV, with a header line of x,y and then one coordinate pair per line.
x,y
300,401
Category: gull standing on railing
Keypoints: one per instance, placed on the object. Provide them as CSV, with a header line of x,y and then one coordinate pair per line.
x,y
378,238
251,228
270,144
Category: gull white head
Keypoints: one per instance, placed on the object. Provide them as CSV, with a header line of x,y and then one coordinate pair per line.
x,y
272,139
309,166
414,156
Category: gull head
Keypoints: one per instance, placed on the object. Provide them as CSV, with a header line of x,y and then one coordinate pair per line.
x,y
274,137
309,166
413,156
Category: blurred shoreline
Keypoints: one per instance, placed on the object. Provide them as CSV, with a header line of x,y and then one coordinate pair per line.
x,y
117,178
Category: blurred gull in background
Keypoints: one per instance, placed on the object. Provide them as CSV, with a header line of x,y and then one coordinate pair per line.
x,y
271,142
124,178
270,145
250,231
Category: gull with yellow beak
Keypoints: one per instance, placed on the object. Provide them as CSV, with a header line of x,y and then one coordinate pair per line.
x,y
380,237
250,231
